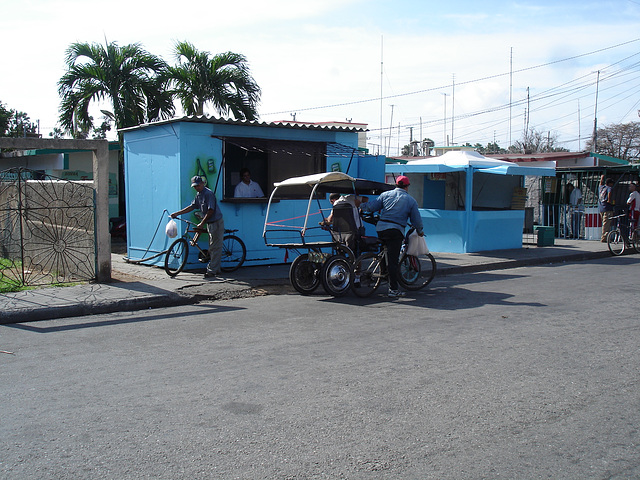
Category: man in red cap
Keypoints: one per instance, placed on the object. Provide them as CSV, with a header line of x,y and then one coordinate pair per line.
x,y
395,207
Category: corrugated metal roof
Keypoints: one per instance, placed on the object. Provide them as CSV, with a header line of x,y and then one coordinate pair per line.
x,y
253,123
536,157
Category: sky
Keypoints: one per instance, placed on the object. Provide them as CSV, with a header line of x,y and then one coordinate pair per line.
x,y
456,72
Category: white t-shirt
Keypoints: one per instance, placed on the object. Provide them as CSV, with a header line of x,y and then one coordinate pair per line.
x,y
576,195
634,196
252,190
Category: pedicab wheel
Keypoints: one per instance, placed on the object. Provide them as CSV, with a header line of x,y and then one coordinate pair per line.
x,y
336,275
415,273
233,253
176,257
615,242
635,240
366,275
303,274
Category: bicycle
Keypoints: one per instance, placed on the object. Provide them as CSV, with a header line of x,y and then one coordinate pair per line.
x,y
370,270
618,242
234,251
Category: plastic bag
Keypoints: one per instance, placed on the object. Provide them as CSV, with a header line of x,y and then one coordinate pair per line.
x,y
417,245
171,229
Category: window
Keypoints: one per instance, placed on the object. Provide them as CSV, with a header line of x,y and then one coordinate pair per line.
x,y
271,161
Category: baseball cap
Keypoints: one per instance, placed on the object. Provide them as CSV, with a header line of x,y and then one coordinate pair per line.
x,y
197,180
402,181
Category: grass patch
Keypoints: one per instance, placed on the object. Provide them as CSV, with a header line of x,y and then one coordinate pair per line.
x,y
10,274
8,283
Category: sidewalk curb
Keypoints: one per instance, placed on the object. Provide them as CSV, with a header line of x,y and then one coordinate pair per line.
x,y
529,262
193,294
79,310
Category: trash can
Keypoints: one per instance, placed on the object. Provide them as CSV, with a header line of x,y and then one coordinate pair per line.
x,y
546,235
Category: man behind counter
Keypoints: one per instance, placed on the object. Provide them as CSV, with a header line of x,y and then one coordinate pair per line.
x,y
247,188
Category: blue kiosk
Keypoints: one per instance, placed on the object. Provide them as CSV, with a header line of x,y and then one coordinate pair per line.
x,y
161,157
468,202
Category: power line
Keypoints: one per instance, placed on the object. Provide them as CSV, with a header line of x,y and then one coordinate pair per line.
x,y
356,102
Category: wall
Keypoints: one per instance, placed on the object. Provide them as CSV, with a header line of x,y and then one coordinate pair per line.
x,y
161,159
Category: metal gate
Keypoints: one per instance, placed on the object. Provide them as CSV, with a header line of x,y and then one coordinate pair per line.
x,y
47,230
582,222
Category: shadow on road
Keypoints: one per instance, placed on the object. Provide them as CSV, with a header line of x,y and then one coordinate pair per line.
x,y
203,309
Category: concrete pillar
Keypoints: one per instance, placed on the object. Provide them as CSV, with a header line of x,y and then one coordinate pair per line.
x,y
101,189
100,150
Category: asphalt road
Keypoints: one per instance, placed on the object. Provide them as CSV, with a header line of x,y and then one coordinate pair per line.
x,y
523,373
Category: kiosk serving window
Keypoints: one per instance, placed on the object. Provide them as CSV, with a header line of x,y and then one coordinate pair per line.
x,y
271,161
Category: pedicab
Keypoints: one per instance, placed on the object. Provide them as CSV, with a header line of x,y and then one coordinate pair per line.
x,y
326,251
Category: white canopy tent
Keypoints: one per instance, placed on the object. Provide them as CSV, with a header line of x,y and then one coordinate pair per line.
x,y
464,160
466,215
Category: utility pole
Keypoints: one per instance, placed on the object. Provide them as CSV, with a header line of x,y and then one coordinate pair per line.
x,y
381,83
595,116
444,141
453,104
528,113
510,91
390,132
579,129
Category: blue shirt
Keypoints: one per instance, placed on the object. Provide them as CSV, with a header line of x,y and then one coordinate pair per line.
x,y
395,206
206,200
604,206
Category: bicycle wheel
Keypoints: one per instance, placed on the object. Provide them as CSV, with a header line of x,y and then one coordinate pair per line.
x,y
176,257
233,253
615,242
366,275
635,240
336,275
415,273
303,274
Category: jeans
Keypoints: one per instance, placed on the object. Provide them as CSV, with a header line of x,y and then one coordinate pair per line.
x,y
392,238
576,217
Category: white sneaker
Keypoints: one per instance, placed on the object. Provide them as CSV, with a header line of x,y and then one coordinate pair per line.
x,y
396,293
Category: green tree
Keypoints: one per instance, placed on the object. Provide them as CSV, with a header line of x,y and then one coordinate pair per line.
x,y
493,147
619,140
534,141
5,116
222,80
132,80
56,133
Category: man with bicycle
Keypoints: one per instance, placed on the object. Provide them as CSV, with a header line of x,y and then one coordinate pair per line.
x,y
395,207
206,202
633,202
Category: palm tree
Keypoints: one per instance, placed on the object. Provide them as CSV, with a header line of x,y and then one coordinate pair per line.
x,y
131,79
223,80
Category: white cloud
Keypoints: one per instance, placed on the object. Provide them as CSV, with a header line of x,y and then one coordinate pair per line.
x,y
317,53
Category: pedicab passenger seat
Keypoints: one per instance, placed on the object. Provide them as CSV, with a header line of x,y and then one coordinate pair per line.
x,y
344,228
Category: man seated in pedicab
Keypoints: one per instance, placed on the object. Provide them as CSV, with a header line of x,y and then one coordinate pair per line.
x,y
344,221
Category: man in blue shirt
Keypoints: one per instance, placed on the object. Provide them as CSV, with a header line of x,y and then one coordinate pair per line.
x,y
212,220
395,207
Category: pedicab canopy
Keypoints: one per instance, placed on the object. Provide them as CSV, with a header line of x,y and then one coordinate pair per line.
x,y
336,182
317,186
469,202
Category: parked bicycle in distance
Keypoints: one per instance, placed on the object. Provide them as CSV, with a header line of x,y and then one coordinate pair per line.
x,y
623,237
234,251
370,269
